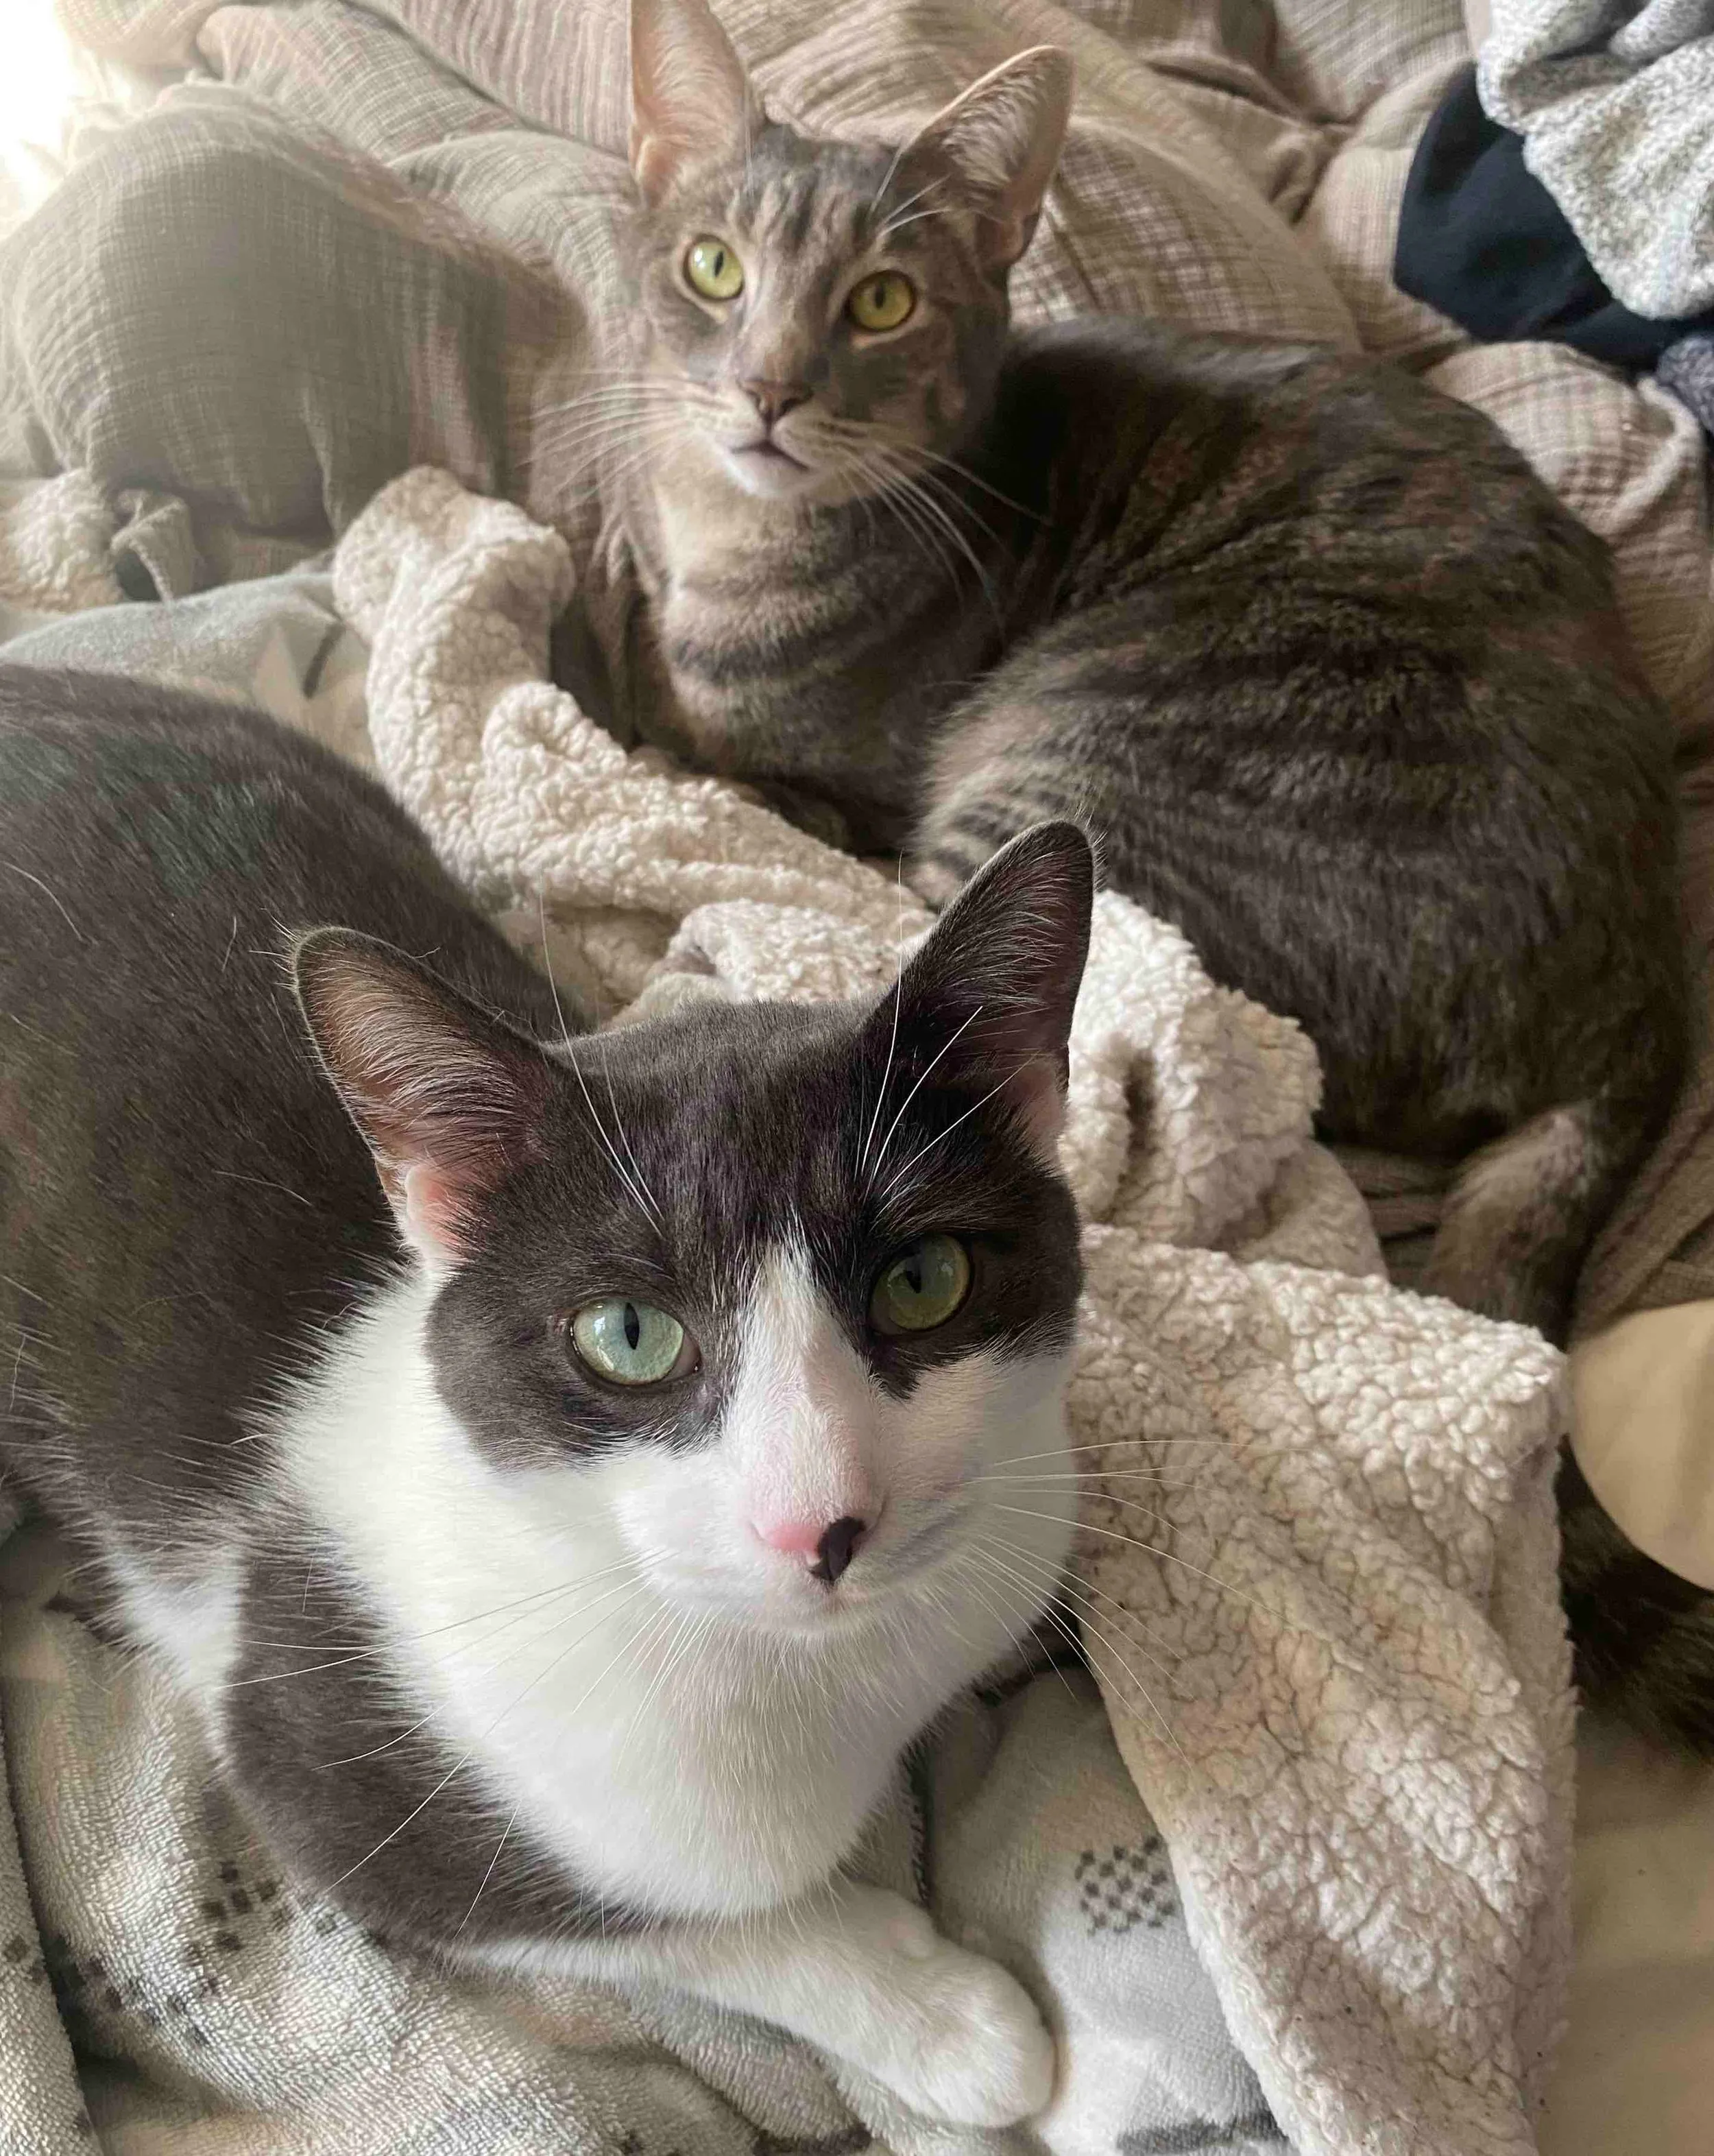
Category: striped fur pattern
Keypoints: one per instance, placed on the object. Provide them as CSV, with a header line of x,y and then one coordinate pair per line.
x,y
1331,678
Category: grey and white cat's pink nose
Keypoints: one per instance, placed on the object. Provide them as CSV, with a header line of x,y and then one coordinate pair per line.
x,y
773,399
827,1546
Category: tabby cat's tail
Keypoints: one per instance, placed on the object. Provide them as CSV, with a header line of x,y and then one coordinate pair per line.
x,y
1642,1637
1519,1218
1521,1213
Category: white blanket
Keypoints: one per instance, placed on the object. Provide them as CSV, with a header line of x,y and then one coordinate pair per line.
x,y
1316,1571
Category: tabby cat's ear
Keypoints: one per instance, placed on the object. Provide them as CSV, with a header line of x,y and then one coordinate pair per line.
x,y
691,102
448,1098
989,995
1003,136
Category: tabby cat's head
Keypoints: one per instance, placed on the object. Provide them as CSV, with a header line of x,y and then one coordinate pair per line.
x,y
823,317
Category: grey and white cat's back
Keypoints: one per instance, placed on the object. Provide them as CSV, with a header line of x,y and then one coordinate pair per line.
x,y
140,832
564,1470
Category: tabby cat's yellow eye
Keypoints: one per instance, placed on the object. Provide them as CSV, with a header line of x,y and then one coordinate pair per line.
x,y
713,270
631,1343
922,1288
882,302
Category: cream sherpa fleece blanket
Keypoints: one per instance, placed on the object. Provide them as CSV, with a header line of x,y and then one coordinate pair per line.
x,y
1360,1756
1316,1573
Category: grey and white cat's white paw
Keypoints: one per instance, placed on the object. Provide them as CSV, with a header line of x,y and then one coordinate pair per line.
x,y
955,2037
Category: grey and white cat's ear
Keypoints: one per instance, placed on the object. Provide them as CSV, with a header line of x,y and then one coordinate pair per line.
x,y
691,102
997,980
448,1098
1003,136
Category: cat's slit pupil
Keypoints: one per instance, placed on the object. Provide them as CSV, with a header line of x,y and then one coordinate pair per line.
x,y
634,1326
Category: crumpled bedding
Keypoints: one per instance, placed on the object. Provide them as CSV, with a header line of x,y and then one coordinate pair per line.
x,y
1291,1867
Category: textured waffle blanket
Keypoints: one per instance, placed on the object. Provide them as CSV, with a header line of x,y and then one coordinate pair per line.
x,y
1288,1869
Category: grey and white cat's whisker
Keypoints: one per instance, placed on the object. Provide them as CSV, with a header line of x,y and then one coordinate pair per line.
x,y
457,1767
1094,1631
506,1834
1069,1582
1170,1557
472,1646
320,1646
1019,1617
576,1068
1094,1620
899,1174
639,1183
922,1078
898,992
1082,1476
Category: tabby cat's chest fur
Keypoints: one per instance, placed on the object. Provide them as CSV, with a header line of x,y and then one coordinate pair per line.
x,y
810,656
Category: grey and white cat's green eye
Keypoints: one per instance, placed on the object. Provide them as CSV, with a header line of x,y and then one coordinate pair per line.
x,y
884,301
711,269
922,1288
631,1343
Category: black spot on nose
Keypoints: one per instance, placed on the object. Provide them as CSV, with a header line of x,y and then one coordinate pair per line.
x,y
834,1551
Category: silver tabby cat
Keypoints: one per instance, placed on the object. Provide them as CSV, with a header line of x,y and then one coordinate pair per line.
x,y
1332,677
1336,684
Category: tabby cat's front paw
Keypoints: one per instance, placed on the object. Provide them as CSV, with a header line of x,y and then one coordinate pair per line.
x,y
964,2043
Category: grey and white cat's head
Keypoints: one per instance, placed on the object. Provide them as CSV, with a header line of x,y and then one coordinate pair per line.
x,y
749,1303
822,317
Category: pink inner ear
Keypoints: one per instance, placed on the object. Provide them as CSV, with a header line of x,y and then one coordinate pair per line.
x,y
428,1211
1037,1092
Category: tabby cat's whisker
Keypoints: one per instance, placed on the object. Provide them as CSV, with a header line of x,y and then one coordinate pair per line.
x,y
889,494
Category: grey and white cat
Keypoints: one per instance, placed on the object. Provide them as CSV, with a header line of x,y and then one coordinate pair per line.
x,y
1336,684
555,1465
